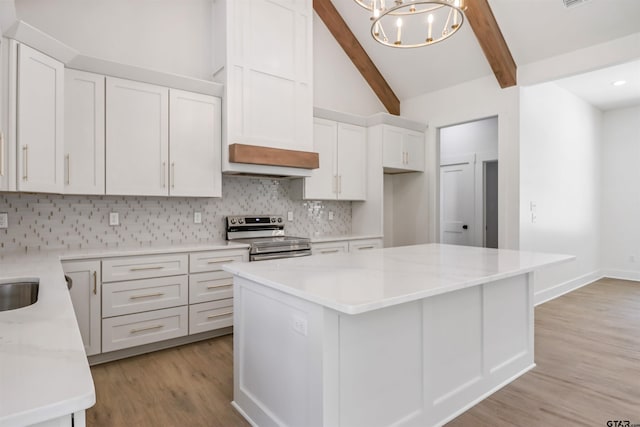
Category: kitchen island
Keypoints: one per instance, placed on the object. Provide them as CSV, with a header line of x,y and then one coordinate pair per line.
x,y
406,336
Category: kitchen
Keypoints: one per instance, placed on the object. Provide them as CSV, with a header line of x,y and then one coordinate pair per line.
x,y
46,221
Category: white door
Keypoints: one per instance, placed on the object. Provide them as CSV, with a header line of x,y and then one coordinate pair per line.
x,y
85,296
194,141
137,142
322,183
457,204
414,150
392,147
40,122
84,133
352,162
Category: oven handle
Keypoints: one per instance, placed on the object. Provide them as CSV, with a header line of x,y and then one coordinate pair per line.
x,y
279,255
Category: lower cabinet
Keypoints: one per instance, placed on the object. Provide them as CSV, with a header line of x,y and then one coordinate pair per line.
x,y
207,316
85,295
344,246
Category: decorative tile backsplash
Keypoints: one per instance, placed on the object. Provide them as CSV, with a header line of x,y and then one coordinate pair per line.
x,y
44,221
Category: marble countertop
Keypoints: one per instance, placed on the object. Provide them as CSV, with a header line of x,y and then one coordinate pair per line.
x,y
44,373
354,283
340,238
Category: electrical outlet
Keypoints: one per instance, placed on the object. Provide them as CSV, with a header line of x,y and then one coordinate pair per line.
x,y
534,218
300,325
114,218
197,217
4,220
289,216
330,215
533,206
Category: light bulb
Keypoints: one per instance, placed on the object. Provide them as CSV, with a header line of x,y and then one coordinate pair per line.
x,y
399,23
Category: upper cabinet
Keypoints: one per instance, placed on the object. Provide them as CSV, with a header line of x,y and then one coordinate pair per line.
x,y
402,142
343,162
263,55
84,133
39,121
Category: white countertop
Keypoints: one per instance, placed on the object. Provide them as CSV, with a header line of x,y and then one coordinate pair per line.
x,y
44,373
343,237
354,283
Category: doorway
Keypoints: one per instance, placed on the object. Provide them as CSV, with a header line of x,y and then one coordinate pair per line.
x,y
469,183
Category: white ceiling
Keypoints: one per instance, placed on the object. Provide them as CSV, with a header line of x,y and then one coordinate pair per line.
x,y
533,29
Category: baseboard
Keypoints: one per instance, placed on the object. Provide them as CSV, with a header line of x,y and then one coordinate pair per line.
x,y
568,286
244,414
622,274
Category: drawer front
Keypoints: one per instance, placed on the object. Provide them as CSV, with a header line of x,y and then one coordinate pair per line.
x,y
143,267
365,244
210,315
212,261
136,296
329,248
204,287
144,328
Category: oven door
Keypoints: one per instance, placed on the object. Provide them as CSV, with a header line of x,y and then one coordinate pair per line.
x,y
279,255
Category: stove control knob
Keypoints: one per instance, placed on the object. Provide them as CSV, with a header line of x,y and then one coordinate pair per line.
x,y
241,221
279,219
273,220
233,220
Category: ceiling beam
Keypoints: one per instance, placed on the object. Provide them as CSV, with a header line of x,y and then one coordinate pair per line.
x,y
354,50
487,31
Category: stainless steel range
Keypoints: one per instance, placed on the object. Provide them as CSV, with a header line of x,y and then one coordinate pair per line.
x,y
266,238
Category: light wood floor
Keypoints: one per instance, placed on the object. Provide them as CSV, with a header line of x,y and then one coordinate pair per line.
x,y
588,372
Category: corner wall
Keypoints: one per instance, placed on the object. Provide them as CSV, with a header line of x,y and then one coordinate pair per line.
x,y
560,174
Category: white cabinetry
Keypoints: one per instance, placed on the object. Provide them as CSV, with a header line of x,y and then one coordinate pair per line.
x,y
137,142
84,133
403,149
263,55
346,245
194,141
40,124
85,295
343,161
364,244
8,70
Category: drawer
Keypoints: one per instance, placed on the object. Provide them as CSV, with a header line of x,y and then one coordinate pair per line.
x,y
213,260
144,328
329,248
364,244
210,315
143,267
213,286
144,295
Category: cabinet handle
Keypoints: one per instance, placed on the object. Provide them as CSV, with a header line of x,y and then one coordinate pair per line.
x,y
164,174
157,294
365,247
1,153
173,175
148,328
332,251
339,184
153,267
68,179
213,316
217,286
95,283
25,161
220,261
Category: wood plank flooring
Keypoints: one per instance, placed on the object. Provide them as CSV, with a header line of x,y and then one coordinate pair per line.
x,y
587,355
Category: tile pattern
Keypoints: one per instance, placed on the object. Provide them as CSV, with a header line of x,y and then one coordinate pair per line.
x,y
44,221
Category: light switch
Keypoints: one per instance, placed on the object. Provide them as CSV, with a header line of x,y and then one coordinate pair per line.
x,y
330,215
197,217
4,220
289,216
114,218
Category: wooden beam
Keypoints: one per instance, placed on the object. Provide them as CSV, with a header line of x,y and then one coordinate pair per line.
x,y
258,155
354,50
487,31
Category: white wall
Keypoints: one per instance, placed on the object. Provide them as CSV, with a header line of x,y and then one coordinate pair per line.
x,y
337,84
560,171
418,194
620,198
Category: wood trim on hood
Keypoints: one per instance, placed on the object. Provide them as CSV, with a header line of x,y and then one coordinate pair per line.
x,y
258,155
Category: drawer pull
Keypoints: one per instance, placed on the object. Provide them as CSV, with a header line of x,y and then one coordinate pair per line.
x,y
159,294
332,251
153,267
220,260
218,286
213,316
148,328
365,247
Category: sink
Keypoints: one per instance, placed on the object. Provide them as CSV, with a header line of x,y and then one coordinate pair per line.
x,y
18,294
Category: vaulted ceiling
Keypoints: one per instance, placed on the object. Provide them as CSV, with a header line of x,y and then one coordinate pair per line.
x,y
533,29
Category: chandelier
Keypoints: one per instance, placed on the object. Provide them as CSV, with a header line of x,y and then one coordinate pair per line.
x,y
413,23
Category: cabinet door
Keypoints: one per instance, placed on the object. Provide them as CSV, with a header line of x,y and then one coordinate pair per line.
x,y
194,141
352,162
40,107
84,133
392,147
322,184
85,295
137,142
8,86
414,149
